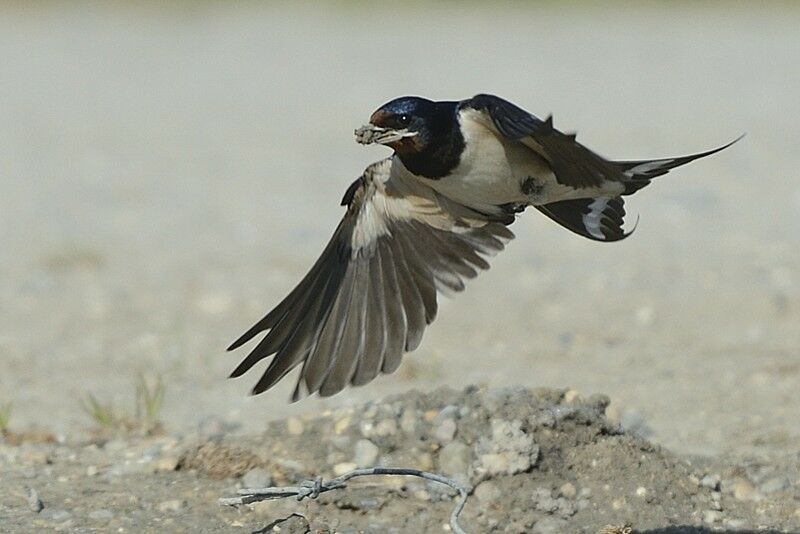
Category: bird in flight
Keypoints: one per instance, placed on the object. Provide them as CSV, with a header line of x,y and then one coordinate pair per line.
x,y
426,219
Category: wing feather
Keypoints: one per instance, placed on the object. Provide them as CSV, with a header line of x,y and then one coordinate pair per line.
x,y
368,298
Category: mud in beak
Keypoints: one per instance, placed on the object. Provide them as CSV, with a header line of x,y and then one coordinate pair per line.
x,y
369,133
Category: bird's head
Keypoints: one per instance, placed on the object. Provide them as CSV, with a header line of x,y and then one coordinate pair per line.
x,y
407,124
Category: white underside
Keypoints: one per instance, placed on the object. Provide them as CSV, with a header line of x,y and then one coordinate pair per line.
x,y
492,170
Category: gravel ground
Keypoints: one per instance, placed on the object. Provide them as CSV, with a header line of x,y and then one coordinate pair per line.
x,y
169,171
543,461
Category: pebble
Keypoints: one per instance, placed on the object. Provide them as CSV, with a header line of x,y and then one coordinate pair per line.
x,y
641,491
341,425
366,453
343,467
36,457
711,516
409,421
167,464
568,490
422,495
445,431
172,506
450,411
509,451
91,471
710,482
34,502
56,515
543,500
258,477
101,515
734,523
454,458
550,525
386,427
294,426
487,492
743,490
775,484
425,461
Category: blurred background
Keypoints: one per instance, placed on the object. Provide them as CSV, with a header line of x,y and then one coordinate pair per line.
x,y
168,171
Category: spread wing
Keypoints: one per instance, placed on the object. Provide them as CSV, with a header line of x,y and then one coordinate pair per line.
x,y
370,295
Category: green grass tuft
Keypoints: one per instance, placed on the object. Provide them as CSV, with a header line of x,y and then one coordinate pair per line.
x,y
5,417
147,404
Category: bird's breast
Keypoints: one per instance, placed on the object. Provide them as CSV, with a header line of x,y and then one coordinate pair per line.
x,y
492,171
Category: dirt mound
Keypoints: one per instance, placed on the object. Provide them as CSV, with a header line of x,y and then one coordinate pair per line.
x,y
538,461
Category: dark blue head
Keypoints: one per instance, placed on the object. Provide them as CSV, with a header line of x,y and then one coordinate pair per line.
x,y
403,112
413,114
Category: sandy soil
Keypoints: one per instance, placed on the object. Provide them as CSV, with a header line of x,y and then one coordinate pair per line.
x,y
168,173
540,462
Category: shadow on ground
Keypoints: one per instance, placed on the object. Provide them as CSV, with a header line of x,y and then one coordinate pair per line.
x,y
703,530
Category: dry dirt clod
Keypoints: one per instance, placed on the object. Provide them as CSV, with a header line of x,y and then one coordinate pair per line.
x,y
34,502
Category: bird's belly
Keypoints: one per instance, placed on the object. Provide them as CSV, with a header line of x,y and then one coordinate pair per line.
x,y
496,174
480,187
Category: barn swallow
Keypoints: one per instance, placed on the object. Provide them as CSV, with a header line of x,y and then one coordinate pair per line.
x,y
426,219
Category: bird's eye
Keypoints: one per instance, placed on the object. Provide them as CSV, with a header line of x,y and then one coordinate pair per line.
x,y
404,120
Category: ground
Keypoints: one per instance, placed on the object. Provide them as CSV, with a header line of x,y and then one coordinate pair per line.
x,y
543,461
169,171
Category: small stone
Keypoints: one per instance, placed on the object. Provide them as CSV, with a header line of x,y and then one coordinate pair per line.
x,y
386,427
56,515
422,495
743,490
572,395
550,525
487,492
568,490
454,458
711,516
509,451
409,421
366,453
257,478
172,506
341,425
543,500
734,524
91,471
167,464
36,457
775,484
34,502
101,515
448,412
294,426
343,467
425,461
711,482
430,415
641,491
445,431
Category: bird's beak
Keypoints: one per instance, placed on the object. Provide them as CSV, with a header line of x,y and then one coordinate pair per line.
x,y
374,132
370,133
